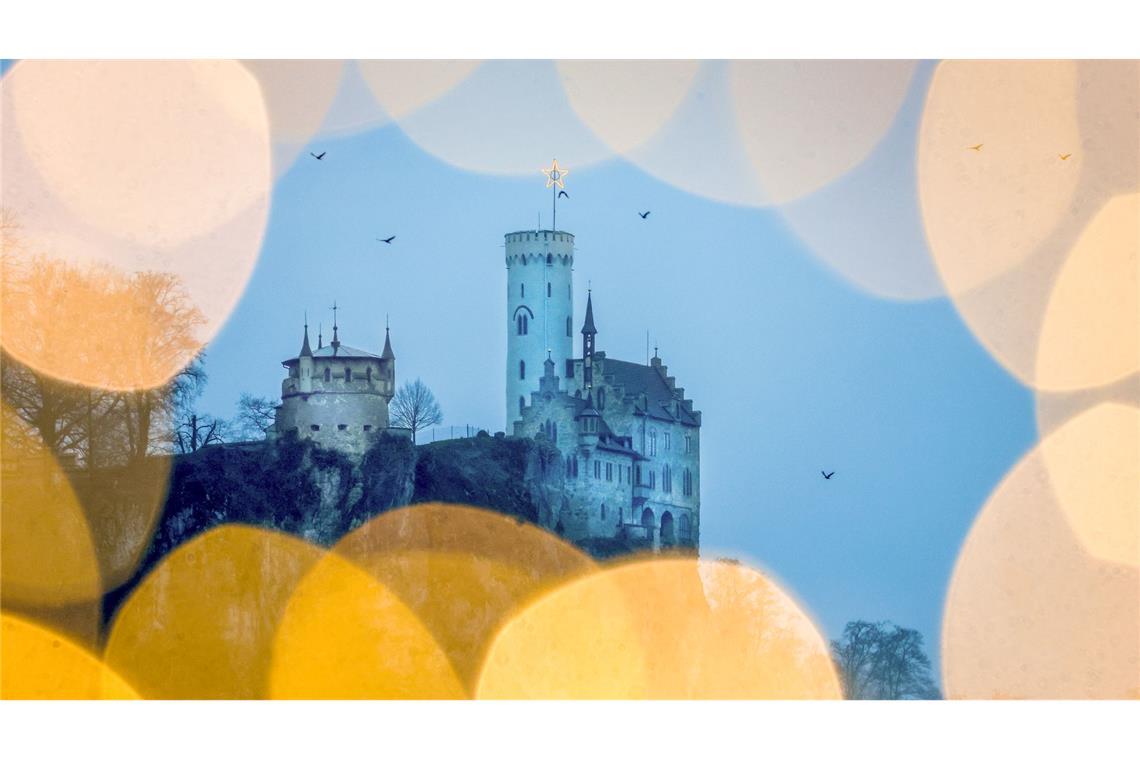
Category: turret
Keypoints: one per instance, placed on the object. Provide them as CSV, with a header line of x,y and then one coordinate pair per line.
x,y
388,356
540,310
588,334
305,364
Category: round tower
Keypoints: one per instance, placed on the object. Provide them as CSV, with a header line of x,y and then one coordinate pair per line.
x,y
540,310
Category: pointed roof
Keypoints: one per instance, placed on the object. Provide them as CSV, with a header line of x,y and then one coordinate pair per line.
x,y
588,328
305,350
387,353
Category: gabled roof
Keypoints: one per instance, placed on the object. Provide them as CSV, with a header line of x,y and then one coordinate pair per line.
x,y
639,379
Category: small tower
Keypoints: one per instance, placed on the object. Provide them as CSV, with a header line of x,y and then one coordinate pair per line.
x,y
389,360
588,334
305,364
540,310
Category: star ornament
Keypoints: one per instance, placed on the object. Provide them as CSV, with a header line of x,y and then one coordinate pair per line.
x,y
555,175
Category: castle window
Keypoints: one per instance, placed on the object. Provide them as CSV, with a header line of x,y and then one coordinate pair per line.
x,y
348,374
314,428
686,529
367,428
368,375
569,328
597,469
548,290
569,362
549,261
522,405
627,474
328,375
687,482
601,398
666,479
653,478
609,471
667,445
342,427
522,290
688,444
522,370
603,510
652,443
619,473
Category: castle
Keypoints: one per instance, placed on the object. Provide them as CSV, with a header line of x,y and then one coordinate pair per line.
x,y
629,439
337,395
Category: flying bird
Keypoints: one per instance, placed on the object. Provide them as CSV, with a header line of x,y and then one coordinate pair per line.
x,y
563,194
1065,157
322,155
977,147
643,214
387,240
827,475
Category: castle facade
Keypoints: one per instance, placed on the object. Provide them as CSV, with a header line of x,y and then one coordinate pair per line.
x,y
629,438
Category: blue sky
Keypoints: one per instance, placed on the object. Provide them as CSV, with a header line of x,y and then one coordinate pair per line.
x,y
794,368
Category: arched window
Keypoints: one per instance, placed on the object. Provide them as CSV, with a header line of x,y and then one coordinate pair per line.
x,y
569,328
548,290
667,536
686,529
522,370
522,290
522,405
328,375
666,479
522,324
348,374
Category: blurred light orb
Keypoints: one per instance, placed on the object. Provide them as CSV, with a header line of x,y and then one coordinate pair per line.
x,y
987,209
155,152
39,663
805,123
47,555
1090,334
298,95
345,635
461,570
126,170
505,118
1043,602
201,625
661,629
1094,468
626,102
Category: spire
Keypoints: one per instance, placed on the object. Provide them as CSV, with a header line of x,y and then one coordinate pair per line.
x,y
305,350
335,341
588,328
320,338
388,353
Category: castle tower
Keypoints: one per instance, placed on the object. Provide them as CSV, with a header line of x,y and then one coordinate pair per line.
x,y
540,310
305,363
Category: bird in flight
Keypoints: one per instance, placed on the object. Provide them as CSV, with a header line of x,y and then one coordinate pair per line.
x,y
387,240
563,194
827,475
322,155
977,147
1065,157
643,214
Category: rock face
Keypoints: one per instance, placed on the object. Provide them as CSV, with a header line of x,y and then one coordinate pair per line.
x,y
319,494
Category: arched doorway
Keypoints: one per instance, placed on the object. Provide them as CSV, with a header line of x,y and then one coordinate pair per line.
x,y
647,522
667,536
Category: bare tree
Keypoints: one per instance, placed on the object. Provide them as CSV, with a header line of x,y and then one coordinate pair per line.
x,y
195,431
414,407
255,417
883,661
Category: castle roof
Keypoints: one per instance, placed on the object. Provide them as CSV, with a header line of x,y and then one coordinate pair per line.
x,y
638,379
339,352
588,328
